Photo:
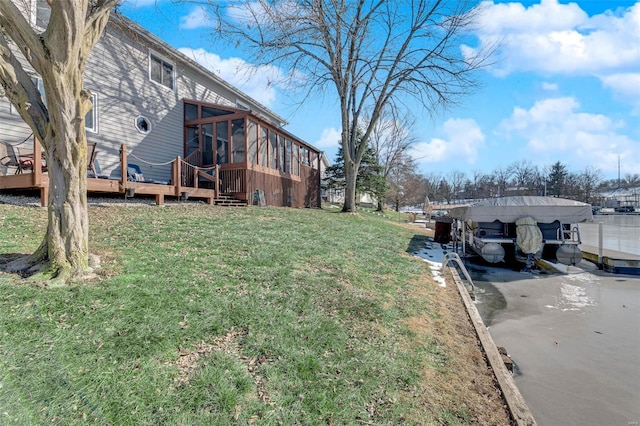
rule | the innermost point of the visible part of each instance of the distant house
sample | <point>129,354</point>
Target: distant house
<point>619,199</point>
<point>158,109</point>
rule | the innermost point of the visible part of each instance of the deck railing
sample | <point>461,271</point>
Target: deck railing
<point>189,167</point>
<point>185,179</point>
<point>233,181</point>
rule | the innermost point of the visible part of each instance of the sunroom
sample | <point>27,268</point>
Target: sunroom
<point>250,158</point>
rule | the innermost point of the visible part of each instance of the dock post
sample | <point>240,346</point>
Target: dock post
<point>600,244</point>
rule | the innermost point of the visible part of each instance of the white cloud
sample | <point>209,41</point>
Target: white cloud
<point>330,138</point>
<point>551,87</point>
<point>463,139</point>
<point>198,18</point>
<point>555,130</point>
<point>134,4</point>
<point>626,86</point>
<point>258,82</point>
<point>556,38</point>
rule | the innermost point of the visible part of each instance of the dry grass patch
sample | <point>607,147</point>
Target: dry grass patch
<point>230,344</point>
<point>459,380</point>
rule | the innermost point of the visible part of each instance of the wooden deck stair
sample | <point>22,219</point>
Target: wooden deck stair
<point>229,201</point>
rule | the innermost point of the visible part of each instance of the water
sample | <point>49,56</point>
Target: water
<point>574,335</point>
<point>620,233</point>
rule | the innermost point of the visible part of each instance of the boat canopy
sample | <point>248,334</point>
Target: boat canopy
<point>510,209</point>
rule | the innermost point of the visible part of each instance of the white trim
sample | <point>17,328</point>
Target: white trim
<point>135,124</point>
<point>242,105</point>
<point>33,12</point>
<point>95,112</point>
<point>33,15</point>
<point>163,60</point>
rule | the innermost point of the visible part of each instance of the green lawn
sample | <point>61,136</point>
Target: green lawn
<point>207,315</point>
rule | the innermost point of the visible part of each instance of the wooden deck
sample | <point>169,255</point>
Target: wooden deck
<point>39,180</point>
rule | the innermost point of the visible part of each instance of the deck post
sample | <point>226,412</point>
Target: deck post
<point>123,167</point>
<point>600,245</point>
<point>160,199</point>
<point>37,163</point>
<point>216,182</point>
<point>44,196</point>
<point>178,176</point>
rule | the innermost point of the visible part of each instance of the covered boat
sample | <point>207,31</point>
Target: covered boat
<point>526,226</point>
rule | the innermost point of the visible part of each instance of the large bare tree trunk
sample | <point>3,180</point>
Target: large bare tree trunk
<point>67,236</point>
<point>59,55</point>
<point>350,175</point>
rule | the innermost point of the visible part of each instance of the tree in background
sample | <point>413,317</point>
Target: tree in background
<point>58,54</point>
<point>369,180</point>
<point>556,179</point>
<point>631,180</point>
<point>432,184</point>
<point>456,180</point>
<point>501,177</point>
<point>524,176</point>
<point>406,185</point>
<point>390,141</point>
<point>373,54</point>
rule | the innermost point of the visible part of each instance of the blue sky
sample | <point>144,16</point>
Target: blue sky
<point>565,87</point>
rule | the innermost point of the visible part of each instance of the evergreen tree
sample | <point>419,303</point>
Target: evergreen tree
<point>556,179</point>
<point>369,179</point>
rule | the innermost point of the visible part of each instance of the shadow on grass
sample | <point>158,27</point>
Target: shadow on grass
<point>417,242</point>
<point>8,260</point>
<point>9,257</point>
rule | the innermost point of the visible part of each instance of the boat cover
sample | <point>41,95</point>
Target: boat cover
<point>510,209</point>
<point>528,235</point>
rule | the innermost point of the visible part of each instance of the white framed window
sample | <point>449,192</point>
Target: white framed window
<point>43,13</point>
<point>37,81</point>
<point>143,124</point>
<point>161,71</point>
<point>37,11</point>
<point>91,119</point>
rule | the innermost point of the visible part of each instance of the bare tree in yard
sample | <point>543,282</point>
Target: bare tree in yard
<point>58,54</point>
<point>390,140</point>
<point>456,181</point>
<point>631,180</point>
<point>501,177</point>
<point>373,53</point>
<point>588,181</point>
<point>432,182</point>
<point>405,186</point>
<point>524,174</point>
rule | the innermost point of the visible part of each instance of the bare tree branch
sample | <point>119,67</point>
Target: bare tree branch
<point>14,24</point>
<point>372,53</point>
<point>21,91</point>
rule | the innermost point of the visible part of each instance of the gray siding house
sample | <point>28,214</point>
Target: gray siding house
<point>141,89</point>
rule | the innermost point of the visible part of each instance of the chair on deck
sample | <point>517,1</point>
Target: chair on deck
<point>91,159</point>
<point>9,159</point>
<point>134,174</point>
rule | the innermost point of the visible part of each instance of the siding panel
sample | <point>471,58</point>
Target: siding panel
<point>118,72</point>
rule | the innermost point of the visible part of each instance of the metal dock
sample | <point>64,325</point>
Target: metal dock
<point>613,261</point>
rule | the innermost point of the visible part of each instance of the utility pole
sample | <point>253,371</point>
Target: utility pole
<point>618,171</point>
